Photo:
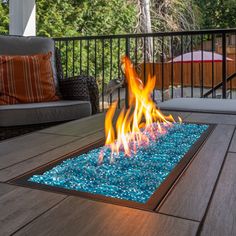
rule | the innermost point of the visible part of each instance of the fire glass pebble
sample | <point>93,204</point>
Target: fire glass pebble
<point>130,178</point>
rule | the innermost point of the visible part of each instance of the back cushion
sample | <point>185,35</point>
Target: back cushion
<point>19,45</point>
<point>26,79</point>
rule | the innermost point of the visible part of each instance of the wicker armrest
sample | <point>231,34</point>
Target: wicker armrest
<point>93,93</point>
<point>82,88</point>
<point>74,88</point>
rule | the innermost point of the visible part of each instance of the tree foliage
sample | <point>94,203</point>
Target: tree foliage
<point>174,15</point>
<point>83,17</point>
<point>4,18</point>
<point>217,13</point>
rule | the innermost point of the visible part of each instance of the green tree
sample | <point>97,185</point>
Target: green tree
<point>174,15</point>
<point>102,17</point>
<point>58,18</point>
<point>55,18</point>
<point>217,13</point>
<point>166,15</point>
<point>4,18</point>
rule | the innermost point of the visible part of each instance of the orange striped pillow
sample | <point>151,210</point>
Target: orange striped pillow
<point>26,79</point>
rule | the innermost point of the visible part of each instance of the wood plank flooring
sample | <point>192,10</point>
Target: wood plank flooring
<point>21,205</point>
<point>28,146</point>
<point>233,144</point>
<point>92,218</point>
<point>221,218</point>
<point>201,203</point>
<point>41,159</point>
<point>212,118</point>
<point>198,181</point>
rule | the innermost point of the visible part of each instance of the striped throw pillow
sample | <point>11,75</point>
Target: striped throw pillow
<point>26,79</point>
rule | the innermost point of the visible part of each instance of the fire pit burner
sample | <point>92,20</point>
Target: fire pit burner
<point>139,181</point>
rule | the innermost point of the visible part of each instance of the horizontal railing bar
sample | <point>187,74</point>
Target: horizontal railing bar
<point>176,33</point>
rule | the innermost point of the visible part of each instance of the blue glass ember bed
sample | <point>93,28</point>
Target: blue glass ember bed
<point>140,181</point>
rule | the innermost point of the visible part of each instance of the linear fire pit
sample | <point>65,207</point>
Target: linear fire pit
<point>140,181</point>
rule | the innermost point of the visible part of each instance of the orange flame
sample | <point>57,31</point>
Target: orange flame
<point>134,123</point>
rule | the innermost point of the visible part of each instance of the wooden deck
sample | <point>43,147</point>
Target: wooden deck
<point>202,203</point>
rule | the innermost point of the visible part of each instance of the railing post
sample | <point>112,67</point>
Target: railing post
<point>224,64</point>
<point>127,52</point>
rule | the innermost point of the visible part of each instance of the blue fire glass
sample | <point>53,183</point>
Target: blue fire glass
<point>133,178</point>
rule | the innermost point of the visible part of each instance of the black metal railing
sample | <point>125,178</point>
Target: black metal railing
<point>219,85</point>
<point>154,54</point>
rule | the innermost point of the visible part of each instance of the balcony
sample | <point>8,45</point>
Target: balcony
<point>195,80</point>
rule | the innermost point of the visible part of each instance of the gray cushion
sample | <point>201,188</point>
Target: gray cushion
<point>18,45</point>
<point>208,105</point>
<point>36,113</point>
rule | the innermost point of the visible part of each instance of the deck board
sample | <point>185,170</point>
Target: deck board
<point>221,217</point>
<point>89,125</point>
<point>21,205</point>
<point>19,149</point>
<point>233,144</point>
<point>190,197</point>
<point>83,217</point>
<point>79,128</point>
<point>212,118</point>
<point>5,188</point>
<point>32,163</point>
<point>177,114</point>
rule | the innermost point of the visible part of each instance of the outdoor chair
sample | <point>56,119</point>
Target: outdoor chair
<point>78,96</point>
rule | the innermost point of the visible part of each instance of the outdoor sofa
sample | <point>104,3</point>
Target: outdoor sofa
<point>78,95</point>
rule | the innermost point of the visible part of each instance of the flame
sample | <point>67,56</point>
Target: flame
<point>134,126</point>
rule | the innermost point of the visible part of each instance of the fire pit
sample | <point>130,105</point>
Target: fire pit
<point>140,181</point>
<point>141,159</point>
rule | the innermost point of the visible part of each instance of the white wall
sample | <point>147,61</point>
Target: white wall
<point>22,17</point>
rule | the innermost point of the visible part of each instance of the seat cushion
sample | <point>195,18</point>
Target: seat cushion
<point>205,105</point>
<point>26,79</point>
<point>18,45</point>
<point>36,113</point>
